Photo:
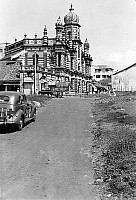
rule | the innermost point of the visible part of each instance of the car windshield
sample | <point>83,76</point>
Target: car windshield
<point>4,98</point>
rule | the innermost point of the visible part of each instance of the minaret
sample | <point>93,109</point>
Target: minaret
<point>45,42</point>
<point>86,47</point>
<point>59,28</point>
<point>45,38</point>
<point>71,25</point>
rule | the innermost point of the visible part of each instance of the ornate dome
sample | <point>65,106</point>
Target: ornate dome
<point>59,22</point>
<point>71,17</point>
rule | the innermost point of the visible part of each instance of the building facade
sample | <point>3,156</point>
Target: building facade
<point>2,47</point>
<point>100,72</point>
<point>44,60</point>
<point>125,80</point>
<point>102,75</point>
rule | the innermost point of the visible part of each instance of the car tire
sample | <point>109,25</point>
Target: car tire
<point>21,124</point>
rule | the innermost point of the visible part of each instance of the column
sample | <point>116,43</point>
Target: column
<point>6,87</point>
<point>26,58</point>
<point>57,59</point>
<point>76,85</point>
<point>45,59</point>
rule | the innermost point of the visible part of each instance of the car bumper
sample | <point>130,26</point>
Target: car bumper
<point>11,120</point>
<point>5,122</point>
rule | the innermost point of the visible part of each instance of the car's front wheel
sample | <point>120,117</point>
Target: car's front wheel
<point>21,124</point>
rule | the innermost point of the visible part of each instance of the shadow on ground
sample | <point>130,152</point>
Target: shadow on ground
<point>11,129</point>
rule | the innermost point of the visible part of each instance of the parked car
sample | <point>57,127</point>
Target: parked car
<point>15,109</point>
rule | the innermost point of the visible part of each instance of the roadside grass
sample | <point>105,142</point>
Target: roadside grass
<point>115,136</point>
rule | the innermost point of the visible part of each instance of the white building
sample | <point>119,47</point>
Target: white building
<point>100,72</point>
<point>125,80</point>
<point>2,46</point>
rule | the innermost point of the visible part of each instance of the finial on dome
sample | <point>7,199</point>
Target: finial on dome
<point>59,22</point>
<point>71,8</point>
<point>86,44</point>
<point>35,35</point>
<point>45,28</point>
<point>25,35</point>
<point>86,41</point>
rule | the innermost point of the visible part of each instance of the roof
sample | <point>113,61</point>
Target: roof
<point>101,67</point>
<point>9,72</point>
<point>16,55</point>
<point>134,65</point>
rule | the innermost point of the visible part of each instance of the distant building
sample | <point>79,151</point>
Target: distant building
<point>9,76</point>
<point>125,79</point>
<point>102,74</point>
<point>63,58</point>
<point>2,46</point>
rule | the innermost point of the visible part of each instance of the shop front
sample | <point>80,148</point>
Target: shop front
<point>9,85</point>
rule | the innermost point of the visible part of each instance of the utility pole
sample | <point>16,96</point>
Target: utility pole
<point>35,74</point>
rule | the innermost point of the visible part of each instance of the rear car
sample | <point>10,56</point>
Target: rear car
<point>15,109</point>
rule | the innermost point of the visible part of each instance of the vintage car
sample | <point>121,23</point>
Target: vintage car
<point>15,109</point>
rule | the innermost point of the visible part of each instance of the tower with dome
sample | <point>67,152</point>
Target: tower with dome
<point>63,58</point>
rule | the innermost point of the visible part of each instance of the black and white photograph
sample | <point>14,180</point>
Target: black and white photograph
<point>67,100</point>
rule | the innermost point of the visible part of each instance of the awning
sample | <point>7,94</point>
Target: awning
<point>11,84</point>
<point>18,54</point>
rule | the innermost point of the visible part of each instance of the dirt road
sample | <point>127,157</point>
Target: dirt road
<point>49,158</point>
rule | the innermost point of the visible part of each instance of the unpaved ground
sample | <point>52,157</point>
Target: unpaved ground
<point>78,149</point>
<point>49,159</point>
<point>114,131</point>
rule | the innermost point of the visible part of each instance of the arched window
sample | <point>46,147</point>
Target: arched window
<point>37,57</point>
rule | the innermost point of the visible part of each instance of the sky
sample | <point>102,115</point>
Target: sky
<point>109,25</point>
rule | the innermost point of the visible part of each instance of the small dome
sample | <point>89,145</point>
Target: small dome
<point>86,44</point>
<point>59,22</point>
<point>71,17</point>
<point>45,29</point>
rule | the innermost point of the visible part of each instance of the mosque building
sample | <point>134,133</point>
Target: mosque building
<point>44,60</point>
